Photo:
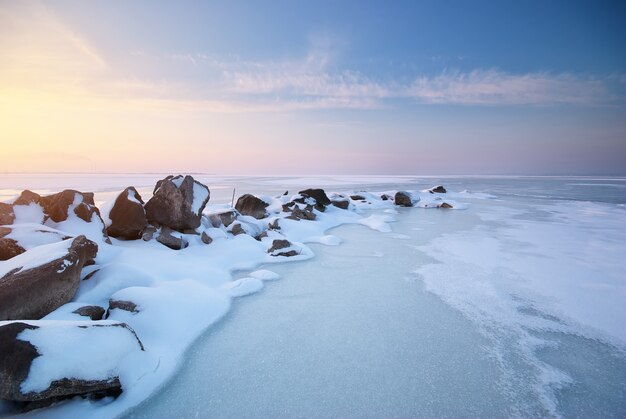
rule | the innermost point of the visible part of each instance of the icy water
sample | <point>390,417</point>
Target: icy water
<point>514,307</point>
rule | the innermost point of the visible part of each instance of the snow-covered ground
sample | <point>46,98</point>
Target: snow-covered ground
<point>513,306</point>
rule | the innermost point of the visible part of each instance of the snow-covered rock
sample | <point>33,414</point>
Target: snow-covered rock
<point>42,362</point>
<point>404,199</point>
<point>251,205</point>
<point>320,197</point>
<point>42,279</point>
<point>128,218</point>
<point>178,203</point>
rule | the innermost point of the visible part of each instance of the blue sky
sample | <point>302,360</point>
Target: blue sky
<point>418,87</point>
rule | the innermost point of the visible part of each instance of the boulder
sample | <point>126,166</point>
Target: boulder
<point>6,214</point>
<point>225,218</point>
<point>105,343</point>
<point>122,305</point>
<point>340,202</point>
<point>278,245</point>
<point>251,205</point>
<point>403,199</point>
<point>320,197</point>
<point>206,239</point>
<point>385,197</point>
<point>167,238</point>
<point>30,291</point>
<point>27,197</point>
<point>444,205</point>
<point>300,214</point>
<point>437,189</point>
<point>237,229</point>
<point>357,197</point>
<point>128,218</point>
<point>177,203</point>
<point>8,247</point>
<point>93,312</point>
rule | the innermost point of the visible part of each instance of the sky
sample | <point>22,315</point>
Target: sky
<point>313,87</point>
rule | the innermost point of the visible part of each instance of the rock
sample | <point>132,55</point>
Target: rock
<point>128,218</point>
<point>8,247</point>
<point>33,293</point>
<point>298,214</point>
<point>274,225</point>
<point>177,203</point>
<point>403,199</point>
<point>93,312</point>
<point>123,305</point>
<point>279,244</point>
<point>223,218</point>
<point>445,205</point>
<point>27,197</point>
<point>261,236</point>
<point>206,239</point>
<point>251,205</point>
<point>341,202</point>
<point>357,197</point>
<point>437,189</point>
<point>17,356</point>
<point>148,233</point>
<point>166,238</point>
<point>320,197</point>
<point>385,197</point>
<point>237,229</point>
<point>6,214</point>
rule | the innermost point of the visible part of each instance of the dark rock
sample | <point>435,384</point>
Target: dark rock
<point>223,218</point>
<point>261,236</point>
<point>93,312</point>
<point>237,229</point>
<point>445,205</point>
<point>403,199</point>
<point>35,292</point>
<point>251,205</point>
<point>148,233</point>
<point>274,225</point>
<point>90,274</point>
<point>173,206</point>
<point>286,193</point>
<point>279,244</point>
<point>128,218</point>
<point>320,197</point>
<point>17,356</point>
<point>306,214</point>
<point>357,197</point>
<point>385,197</point>
<point>206,239</point>
<point>123,305</point>
<point>437,189</point>
<point>6,214</point>
<point>166,238</point>
<point>341,203</point>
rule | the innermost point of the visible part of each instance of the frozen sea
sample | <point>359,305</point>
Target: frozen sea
<point>515,306</point>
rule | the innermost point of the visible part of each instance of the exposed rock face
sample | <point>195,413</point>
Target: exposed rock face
<point>357,197</point>
<point>177,203</point>
<point>123,305</point>
<point>445,205</point>
<point>168,239</point>
<point>6,214</point>
<point>226,218</point>
<point>385,197</point>
<point>237,229</point>
<point>33,293</point>
<point>403,199</point>
<point>8,247</point>
<point>341,202</point>
<point>320,197</point>
<point>251,205</point>
<point>279,244</point>
<point>437,189</point>
<point>206,239</point>
<point>93,312</point>
<point>128,218</point>
<point>27,197</point>
<point>17,356</point>
<point>299,214</point>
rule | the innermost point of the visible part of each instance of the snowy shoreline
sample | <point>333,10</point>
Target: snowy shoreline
<point>169,287</point>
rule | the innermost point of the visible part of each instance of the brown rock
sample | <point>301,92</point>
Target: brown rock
<point>320,197</point>
<point>445,205</point>
<point>123,305</point>
<point>35,292</point>
<point>437,189</point>
<point>8,247</point>
<point>166,238</point>
<point>223,218</point>
<point>251,205</point>
<point>237,229</point>
<point>6,214</point>
<point>206,239</point>
<point>128,218</point>
<point>341,203</point>
<point>279,244</point>
<point>27,197</point>
<point>93,312</point>
<point>403,199</point>
<point>173,206</point>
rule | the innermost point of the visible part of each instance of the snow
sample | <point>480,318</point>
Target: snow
<point>31,213</point>
<point>80,350</point>
<point>132,197</point>
<point>264,275</point>
<point>200,193</point>
<point>30,235</point>
<point>36,256</point>
<point>242,287</point>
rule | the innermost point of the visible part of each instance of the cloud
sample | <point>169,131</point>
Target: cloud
<point>494,87</point>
